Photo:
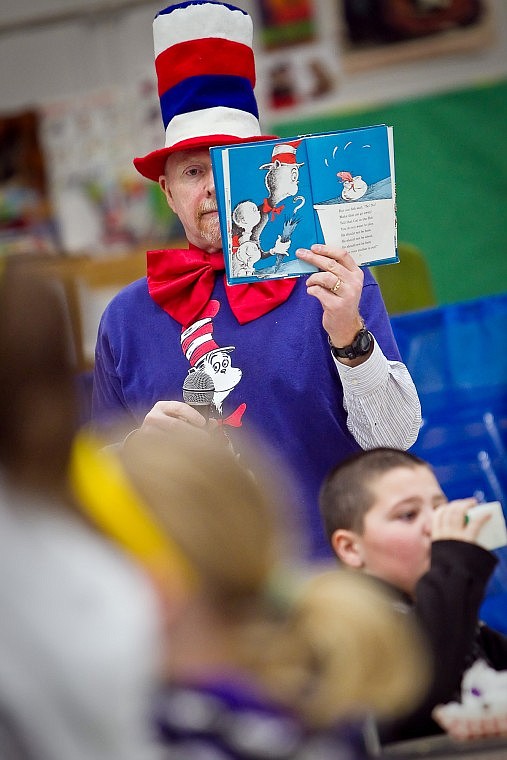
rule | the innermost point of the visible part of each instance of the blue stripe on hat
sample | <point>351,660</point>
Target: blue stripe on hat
<point>178,6</point>
<point>208,91</point>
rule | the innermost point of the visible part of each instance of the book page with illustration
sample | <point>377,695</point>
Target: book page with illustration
<point>277,195</point>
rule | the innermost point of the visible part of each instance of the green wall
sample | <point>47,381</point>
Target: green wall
<point>451,182</point>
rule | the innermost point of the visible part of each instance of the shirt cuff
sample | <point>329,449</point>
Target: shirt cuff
<point>366,377</point>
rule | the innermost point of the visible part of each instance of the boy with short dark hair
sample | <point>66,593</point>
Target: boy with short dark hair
<point>386,515</point>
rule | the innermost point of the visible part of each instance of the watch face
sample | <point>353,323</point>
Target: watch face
<point>359,347</point>
<point>363,342</point>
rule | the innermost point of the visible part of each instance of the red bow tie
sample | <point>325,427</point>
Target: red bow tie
<point>181,282</point>
<point>267,207</point>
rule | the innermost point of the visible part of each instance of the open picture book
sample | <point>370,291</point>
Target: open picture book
<point>275,196</point>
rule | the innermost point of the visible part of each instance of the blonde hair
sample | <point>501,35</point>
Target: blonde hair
<point>326,647</point>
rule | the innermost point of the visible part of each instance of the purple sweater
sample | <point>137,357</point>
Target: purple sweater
<point>277,368</point>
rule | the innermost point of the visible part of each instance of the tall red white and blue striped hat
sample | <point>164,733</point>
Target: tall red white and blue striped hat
<point>205,69</point>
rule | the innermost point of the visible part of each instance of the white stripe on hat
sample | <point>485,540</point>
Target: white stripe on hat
<point>193,327</point>
<point>199,21</point>
<point>283,148</point>
<point>211,121</point>
<point>199,341</point>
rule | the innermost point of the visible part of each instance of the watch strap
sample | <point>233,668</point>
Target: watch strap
<point>360,346</point>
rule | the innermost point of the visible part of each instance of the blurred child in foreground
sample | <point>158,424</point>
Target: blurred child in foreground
<point>79,633</point>
<point>260,663</point>
<point>386,516</point>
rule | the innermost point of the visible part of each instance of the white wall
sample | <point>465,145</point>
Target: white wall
<point>44,64</point>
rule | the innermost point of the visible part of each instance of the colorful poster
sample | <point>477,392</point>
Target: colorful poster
<point>101,202</point>
<point>376,34</point>
<point>287,22</point>
<point>26,218</point>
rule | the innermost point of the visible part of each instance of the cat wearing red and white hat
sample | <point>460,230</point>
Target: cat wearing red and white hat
<point>321,374</point>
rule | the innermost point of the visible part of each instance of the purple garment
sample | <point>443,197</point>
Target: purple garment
<point>288,381</point>
<point>228,719</point>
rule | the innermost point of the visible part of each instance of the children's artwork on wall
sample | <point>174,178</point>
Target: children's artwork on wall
<point>287,22</point>
<point>300,63</point>
<point>26,222</point>
<point>101,202</point>
<point>298,79</point>
<point>394,31</point>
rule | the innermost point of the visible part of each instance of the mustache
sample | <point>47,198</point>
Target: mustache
<point>206,207</point>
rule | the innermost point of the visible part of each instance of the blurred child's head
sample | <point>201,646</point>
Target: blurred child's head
<point>226,522</point>
<point>38,403</point>
<point>377,509</point>
<point>327,647</point>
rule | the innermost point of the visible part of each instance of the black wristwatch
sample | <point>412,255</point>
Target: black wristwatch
<point>359,346</point>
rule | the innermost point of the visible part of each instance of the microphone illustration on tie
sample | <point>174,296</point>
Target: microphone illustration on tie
<point>198,391</point>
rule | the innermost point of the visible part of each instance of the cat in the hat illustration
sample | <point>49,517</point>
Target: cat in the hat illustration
<point>206,356</point>
<point>282,181</point>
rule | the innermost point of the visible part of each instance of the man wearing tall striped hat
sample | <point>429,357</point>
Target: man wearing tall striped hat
<point>317,373</point>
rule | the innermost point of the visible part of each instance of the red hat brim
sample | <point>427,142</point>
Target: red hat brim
<point>152,166</point>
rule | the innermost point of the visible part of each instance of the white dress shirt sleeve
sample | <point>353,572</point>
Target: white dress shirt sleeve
<point>381,402</point>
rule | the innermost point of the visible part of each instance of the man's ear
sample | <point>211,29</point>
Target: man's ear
<point>162,181</point>
<point>347,547</point>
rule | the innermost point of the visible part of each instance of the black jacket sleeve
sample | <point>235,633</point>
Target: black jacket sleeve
<point>447,602</point>
<point>494,647</point>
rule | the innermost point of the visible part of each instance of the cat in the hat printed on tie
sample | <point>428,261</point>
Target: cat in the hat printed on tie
<point>206,356</point>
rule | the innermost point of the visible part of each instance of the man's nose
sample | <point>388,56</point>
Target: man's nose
<point>210,182</point>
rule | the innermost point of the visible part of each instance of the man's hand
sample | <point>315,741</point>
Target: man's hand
<point>449,522</point>
<point>171,415</point>
<point>174,416</point>
<point>338,287</point>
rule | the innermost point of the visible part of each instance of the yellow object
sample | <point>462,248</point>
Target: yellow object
<point>407,285</point>
<point>105,495</point>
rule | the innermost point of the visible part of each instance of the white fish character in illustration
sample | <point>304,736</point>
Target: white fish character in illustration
<point>353,187</point>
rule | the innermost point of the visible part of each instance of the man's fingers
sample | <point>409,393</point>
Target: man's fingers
<point>168,414</point>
